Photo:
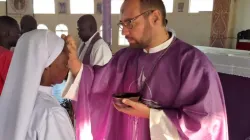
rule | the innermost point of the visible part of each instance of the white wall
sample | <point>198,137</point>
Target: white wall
<point>2,8</point>
<point>242,18</point>
<point>192,28</point>
<point>242,15</point>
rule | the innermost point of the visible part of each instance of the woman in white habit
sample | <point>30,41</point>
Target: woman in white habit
<point>28,109</point>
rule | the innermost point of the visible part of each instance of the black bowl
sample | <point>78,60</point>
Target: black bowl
<point>117,98</point>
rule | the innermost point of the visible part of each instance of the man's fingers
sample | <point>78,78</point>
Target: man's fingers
<point>70,39</point>
<point>63,36</point>
<point>116,107</point>
<point>70,44</point>
<point>130,103</point>
<point>126,110</point>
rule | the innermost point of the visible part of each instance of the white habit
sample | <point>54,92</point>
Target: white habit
<point>49,120</point>
<point>28,110</point>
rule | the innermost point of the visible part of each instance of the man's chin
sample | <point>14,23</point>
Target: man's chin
<point>133,45</point>
<point>136,46</point>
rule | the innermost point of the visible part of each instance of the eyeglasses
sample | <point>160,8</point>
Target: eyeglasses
<point>130,23</point>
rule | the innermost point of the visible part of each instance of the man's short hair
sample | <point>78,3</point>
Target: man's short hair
<point>28,23</point>
<point>90,19</point>
<point>6,23</point>
<point>154,5</point>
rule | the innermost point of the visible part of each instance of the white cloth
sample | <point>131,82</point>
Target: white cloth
<point>72,86</point>
<point>161,128</point>
<point>49,121</point>
<point>35,51</point>
<point>100,55</point>
<point>228,61</point>
<point>244,40</point>
<point>171,30</point>
<point>12,49</point>
<point>160,47</point>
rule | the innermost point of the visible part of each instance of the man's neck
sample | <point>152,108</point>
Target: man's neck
<point>5,45</point>
<point>90,37</point>
<point>158,39</point>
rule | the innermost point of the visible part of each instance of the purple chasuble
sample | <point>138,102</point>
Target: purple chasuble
<point>184,84</point>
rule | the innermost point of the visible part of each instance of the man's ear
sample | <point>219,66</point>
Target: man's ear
<point>156,16</point>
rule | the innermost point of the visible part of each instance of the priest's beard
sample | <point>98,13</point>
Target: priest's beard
<point>145,39</point>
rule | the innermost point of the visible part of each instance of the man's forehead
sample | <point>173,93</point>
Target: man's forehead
<point>83,24</point>
<point>130,9</point>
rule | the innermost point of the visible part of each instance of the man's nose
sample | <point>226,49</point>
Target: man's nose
<point>125,31</point>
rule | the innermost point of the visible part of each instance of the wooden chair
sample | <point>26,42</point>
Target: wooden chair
<point>243,40</point>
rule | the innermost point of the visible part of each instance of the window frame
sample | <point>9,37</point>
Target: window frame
<point>62,31</point>
<point>193,11</point>
<point>120,36</point>
<point>43,25</point>
<point>82,2</point>
<point>52,4</point>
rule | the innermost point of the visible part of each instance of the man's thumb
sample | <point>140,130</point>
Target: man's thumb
<point>129,102</point>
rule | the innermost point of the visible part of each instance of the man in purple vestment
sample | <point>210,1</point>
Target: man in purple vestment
<point>181,94</point>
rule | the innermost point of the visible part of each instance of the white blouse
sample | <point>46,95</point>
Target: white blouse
<point>49,121</point>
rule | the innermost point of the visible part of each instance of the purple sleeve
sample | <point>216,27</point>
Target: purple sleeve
<point>201,112</point>
<point>94,100</point>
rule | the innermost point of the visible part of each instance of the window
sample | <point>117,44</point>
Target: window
<point>115,6</point>
<point>169,5</point>
<point>42,26</point>
<point>44,6</point>
<point>82,6</point>
<point>101,33</point>
<point>122,40</point>
<point>2,0</point>
<point>196,6</point>
<point>61,29</point>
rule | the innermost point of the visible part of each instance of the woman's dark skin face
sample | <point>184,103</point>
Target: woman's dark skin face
<point>57,71</point>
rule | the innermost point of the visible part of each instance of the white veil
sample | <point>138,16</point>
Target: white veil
<point>35,51</point>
